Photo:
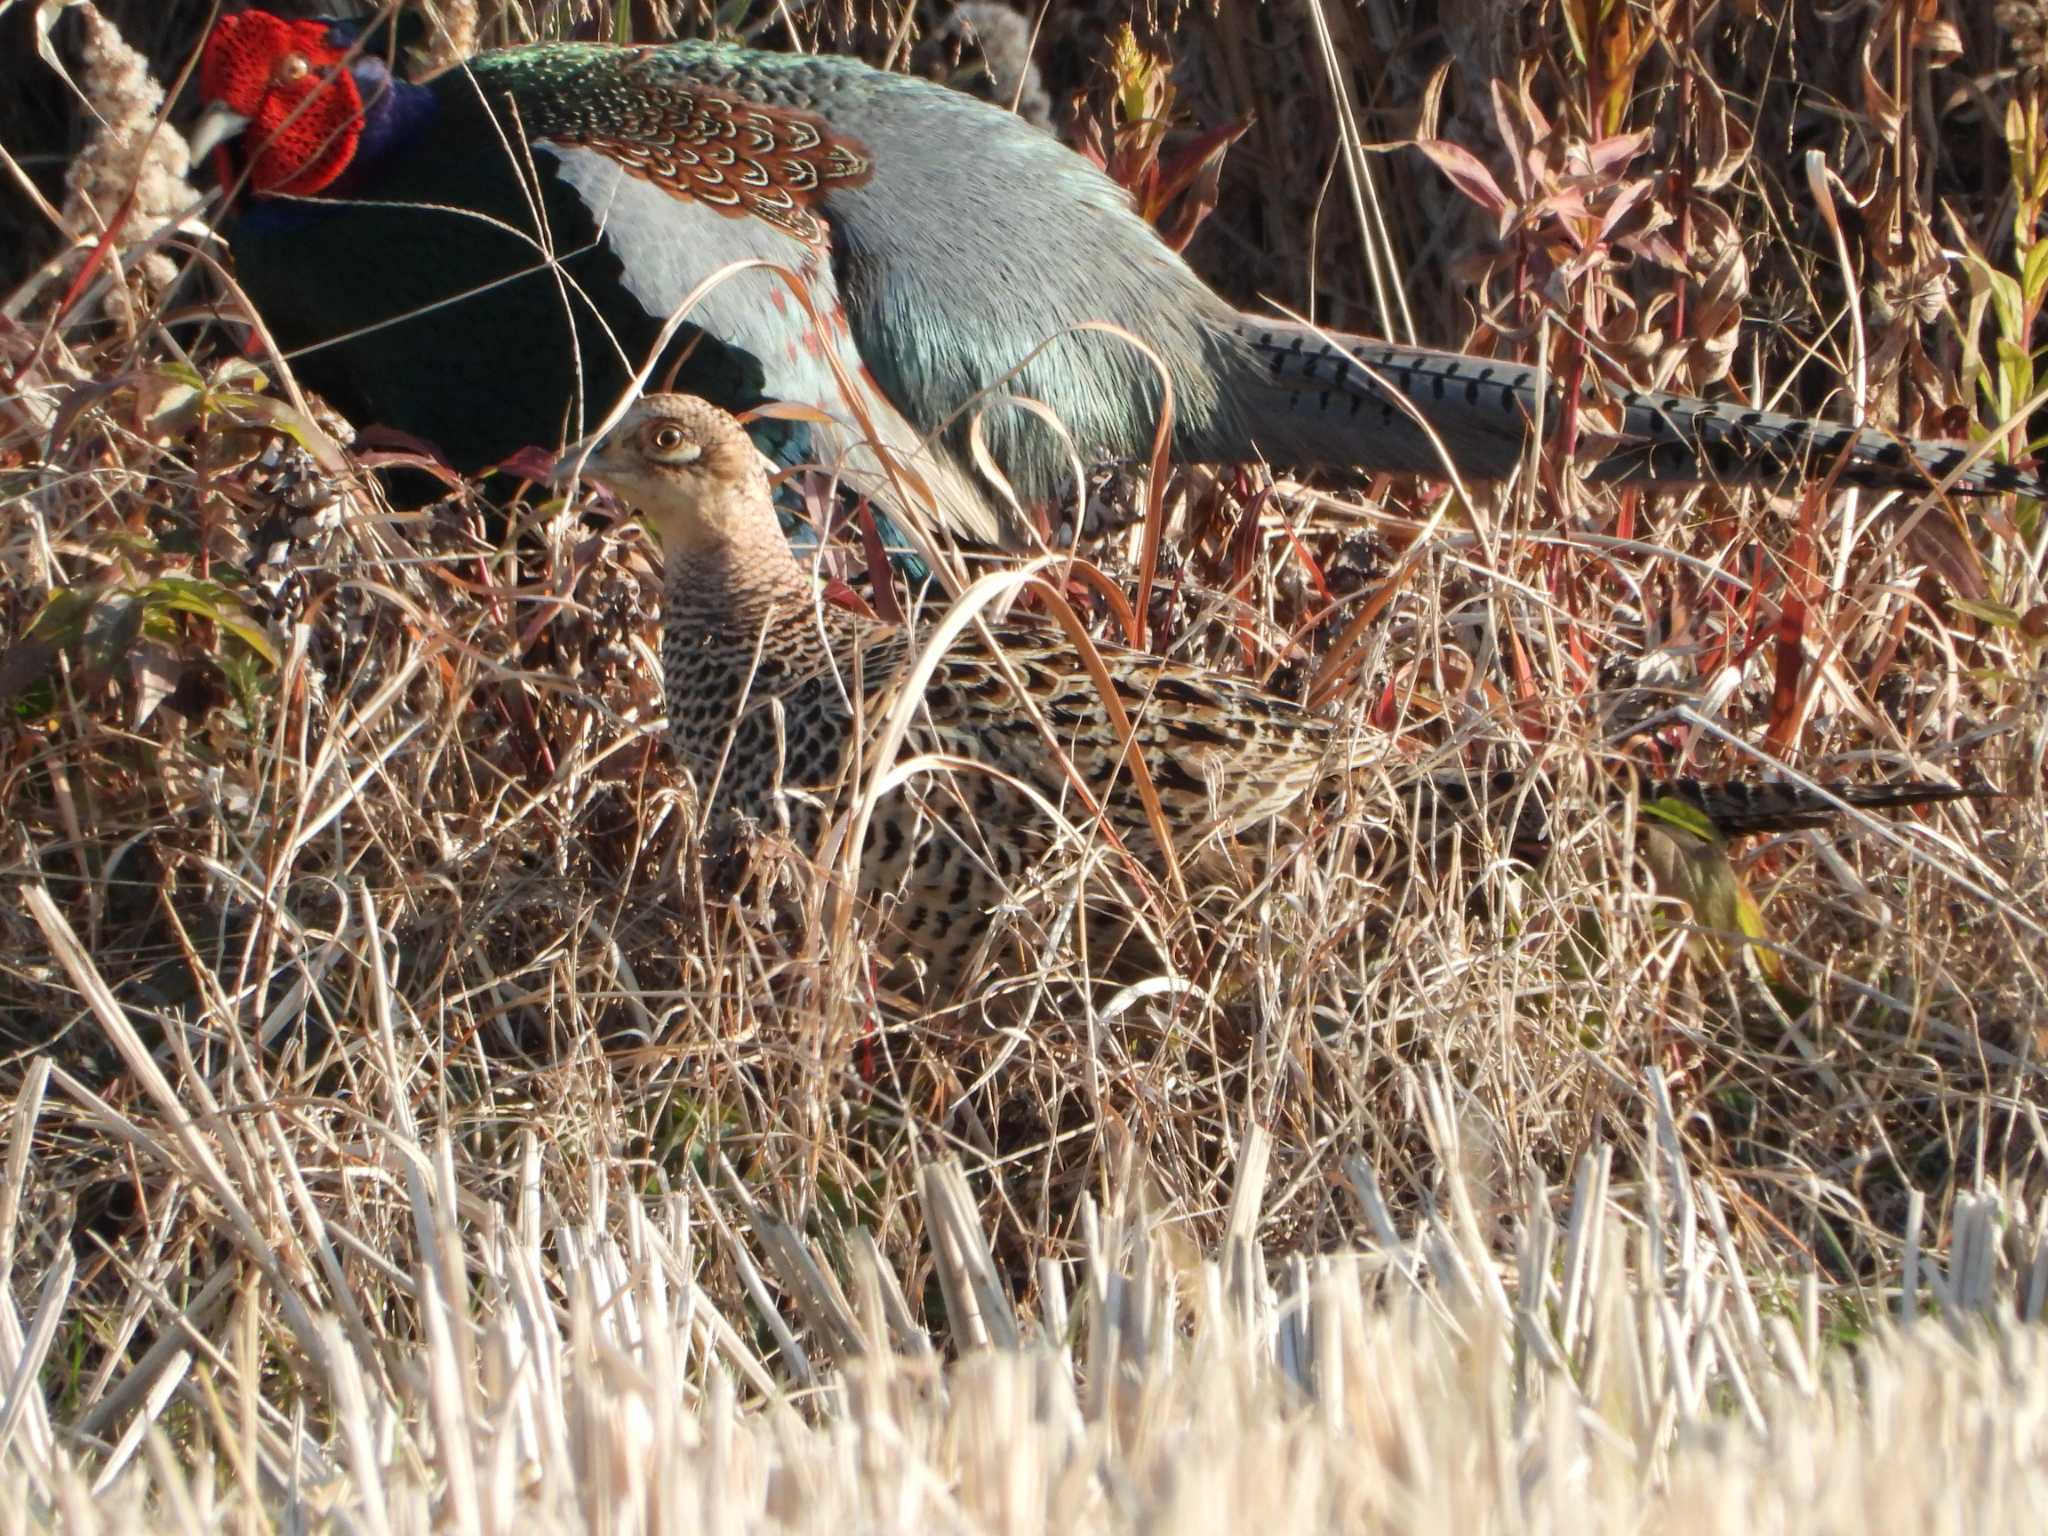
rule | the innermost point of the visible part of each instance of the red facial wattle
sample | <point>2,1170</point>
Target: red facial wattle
<point>290,81</point>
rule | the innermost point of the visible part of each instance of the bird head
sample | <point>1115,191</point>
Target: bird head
<point>285,89</point>
<point>687,467</point>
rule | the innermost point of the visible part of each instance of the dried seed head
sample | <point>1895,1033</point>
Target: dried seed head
<point>127,150</point>
<point>2026,24</point>
<point>452,29</point>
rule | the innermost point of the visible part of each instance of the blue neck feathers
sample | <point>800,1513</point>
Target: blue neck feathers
<point>395,114</point>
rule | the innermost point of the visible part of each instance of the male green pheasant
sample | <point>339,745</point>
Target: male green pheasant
<point>771,694</point>
<point>481,260</point>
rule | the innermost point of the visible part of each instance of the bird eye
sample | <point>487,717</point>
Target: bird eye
<point>292,68</point>
<point>667,439</point>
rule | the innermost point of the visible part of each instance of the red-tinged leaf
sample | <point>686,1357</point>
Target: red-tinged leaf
<point>1788,658</point>
<point>840,595</point>
<point>1521,672</point>
<point>1575,647</point>
<point>1655,246</point>
<point>1588,259</point>
<point>1535,121</point>
<point>1308,564</point>
<point>1510,125</point>
<point>528,463</point>
<point>1087,139</point>
<point>102,247</point>
<point>1202,157</point>
<point>878,564</point>
<point>1466,173</point>
<point>1723,139</point>
<point>1624,203</point>
<point>1431,112</point>
<point>1194,176</point>
<point>1604,157</point>
<point>1939,542</point>
<point>1385,714</point>
<point>387,459</point>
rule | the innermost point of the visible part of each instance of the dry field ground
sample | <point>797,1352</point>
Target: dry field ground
<point>396,1136</point>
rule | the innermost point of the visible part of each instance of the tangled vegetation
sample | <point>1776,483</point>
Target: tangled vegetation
<point>401,1126</point>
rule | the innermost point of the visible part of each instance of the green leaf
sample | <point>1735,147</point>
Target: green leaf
<point>181,373</point>
<point>210,600</point>
<point>2034,273</point>
<point>1683,815</point>
<point>112,629</point>
<point>2002,288</point>
<point>245,682</point>
<point>1991,613</point>
<point>63,619</point>
<point>300,429</point>
<point>1698,872</point>
<point>253,637</point>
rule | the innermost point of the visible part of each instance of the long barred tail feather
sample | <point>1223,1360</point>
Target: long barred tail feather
<point>1333,402</point>
<point>1739,808</point>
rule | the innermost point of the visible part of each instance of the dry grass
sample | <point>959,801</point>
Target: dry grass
<point>399,1131</point>
<point>539,1365</point>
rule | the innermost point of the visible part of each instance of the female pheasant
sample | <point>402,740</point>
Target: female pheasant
<point>769,694</point>
<point>771,697</point>
<point>482,260</point>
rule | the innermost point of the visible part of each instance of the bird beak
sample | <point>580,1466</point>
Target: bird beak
<point>580,461</point>
<point>216,126</point>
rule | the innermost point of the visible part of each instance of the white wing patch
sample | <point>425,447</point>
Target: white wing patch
<point>668,248</point>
